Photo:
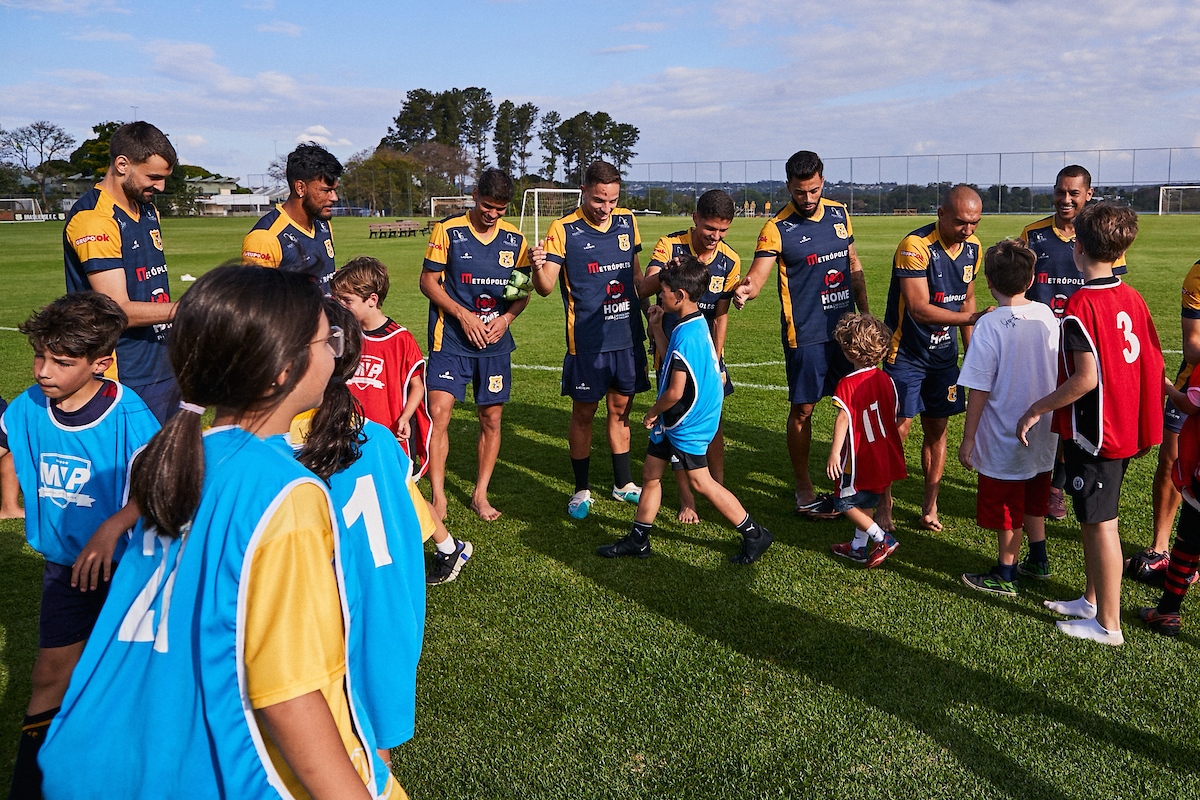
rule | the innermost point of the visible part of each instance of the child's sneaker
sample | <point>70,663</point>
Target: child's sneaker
<point>991,583</point>
<point>446,566</point>
<point>1058,504</point>
<point>581,504</point>
<point>629,493</point>
<point>848,550</point>
<point>1148,566</point>
<point>753,548</point>
<point>627,545</point>
<point>1166,624</point>
<point>881,550</point>
<point>1038,570</point>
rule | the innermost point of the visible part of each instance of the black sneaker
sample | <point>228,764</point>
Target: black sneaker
<point>627,545</point>
<point>1166,624</point>
<point>753,547</point>
<point>991,583</point>
<point>1038,570</point>
<point>446,566</point>
<point>1148,567</point>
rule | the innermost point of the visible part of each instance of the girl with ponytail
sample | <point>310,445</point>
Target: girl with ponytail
<point>219,659</point>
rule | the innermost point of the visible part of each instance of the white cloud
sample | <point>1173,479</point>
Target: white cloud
<point>622,48</point>
<point>321,135</point>
<point>193,140</point>
<point>279,26</point>
<point>102,36</point>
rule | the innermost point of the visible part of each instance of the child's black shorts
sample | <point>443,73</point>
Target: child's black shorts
<point>678,459</point>
<point>1094,484</point>
<point>68,614</point>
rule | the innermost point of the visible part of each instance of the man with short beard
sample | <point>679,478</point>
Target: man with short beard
<point>820,279</point>
<point>295,235</point>
<point>112,244</point>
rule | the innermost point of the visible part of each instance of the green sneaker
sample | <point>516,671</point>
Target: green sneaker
<point>1038,570</point>
<point>991,583</point>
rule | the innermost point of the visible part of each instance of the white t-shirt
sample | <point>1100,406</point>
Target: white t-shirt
<point>1014,356</point>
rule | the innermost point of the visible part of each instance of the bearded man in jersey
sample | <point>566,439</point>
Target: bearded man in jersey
<point>932,294</point>
<point>820,279</point>
<point>594,250</point>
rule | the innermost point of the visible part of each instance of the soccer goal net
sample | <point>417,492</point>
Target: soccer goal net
<point>540,207</point>
<point>441,207</point>
<point>1178,200</point>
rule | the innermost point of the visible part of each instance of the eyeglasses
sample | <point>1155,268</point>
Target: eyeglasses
<point>336,341</point>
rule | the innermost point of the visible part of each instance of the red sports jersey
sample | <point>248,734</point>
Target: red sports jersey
<point>873,455</point>
<point>1123,415</point>
<point>1187,465</point>
<point>390,359</point>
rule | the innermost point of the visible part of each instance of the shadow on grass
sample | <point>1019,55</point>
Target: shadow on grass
<point>924,690</point>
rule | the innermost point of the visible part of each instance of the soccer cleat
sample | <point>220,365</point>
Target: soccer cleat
<point>991,583</point>
<point>1058,504</point>
<point>1079,607</point>
<point>1091,630</point>
<point>1166,624</point>
<point>848,550</point>
<point>627,545</point>
<point>881,550</point>
<point>753,547</point>
<point>1148,567</point>
<point>629,493</point>
<point>581,504</point>
<point>446,566</point>
<point>1038,570</point>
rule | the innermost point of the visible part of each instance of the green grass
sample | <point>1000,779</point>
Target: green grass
<point>548,672</point>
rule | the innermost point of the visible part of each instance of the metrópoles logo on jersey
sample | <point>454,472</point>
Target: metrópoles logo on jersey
<point>617,305</point>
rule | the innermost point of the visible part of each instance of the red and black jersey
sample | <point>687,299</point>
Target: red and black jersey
<point>1187,466</point>
<point>1123,415</point>
<point>873,455</point>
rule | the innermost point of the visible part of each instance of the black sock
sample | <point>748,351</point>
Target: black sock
<point>580,467</point>
<point>622,474</point>
<point>1037,551</point>
<point>27,776</point>
<point>641,530</point>
<point>748,527</point>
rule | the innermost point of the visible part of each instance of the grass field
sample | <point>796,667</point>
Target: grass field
<point>551,673</point>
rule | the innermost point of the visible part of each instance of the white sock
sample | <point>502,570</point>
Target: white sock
<point>448,546</point>
<point>1091,630</point>
<point>1072,608</point>
<point>875,532</point>
<point>860,539</point>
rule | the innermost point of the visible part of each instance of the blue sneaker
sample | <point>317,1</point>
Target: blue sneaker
<point>629,493</point>
<point>581,504</point>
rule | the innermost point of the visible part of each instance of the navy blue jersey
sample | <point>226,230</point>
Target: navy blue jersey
<point>724,271</point>
<point>277,240</point>
<point>922,256</point>
<point>474,272</point>
<point>597,280</point>
<point>102,236</point>
<point>1055,276</point>
<point>813,254</point>
<point>691,424</point>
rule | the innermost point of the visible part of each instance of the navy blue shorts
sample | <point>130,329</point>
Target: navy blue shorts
<point>161,398</point>
<point>489,376</point>
<point>68,615</point>
<point>726,381</point>
<point>1173,418</point>
<point>588,377</point>
<point>931,391</point>
<point>860,499</point>
<point>813,371</point>
<point>641,365</point>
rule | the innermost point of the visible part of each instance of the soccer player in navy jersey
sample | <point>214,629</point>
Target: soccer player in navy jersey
<point>820,279</point>
<point>470,259</point>
<point>113,244</point>
<point>595,251</point>
<point>295,236</point>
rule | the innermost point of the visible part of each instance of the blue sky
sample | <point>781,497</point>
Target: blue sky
<point>232,82</point>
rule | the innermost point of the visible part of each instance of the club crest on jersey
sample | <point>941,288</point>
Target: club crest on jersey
<point>716,283</point>
<point>495,383</point>
<point>61,480</point>
<point>507,259</point>
<point>623,241</point>
<point>329,247</point>
<point>840,229</point>
<point>156,237</point>
<point>367,374</point>
<point>968,273</point>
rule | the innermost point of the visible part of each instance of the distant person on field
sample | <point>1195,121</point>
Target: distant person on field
<point>820,278</point>
<point>470,260</point>
<point>72,438</point>
<point>1109,409</point>
<point>1055,278</point>
<point>113,244</point>
<point>866,454</point>
<point>684,419</point>
<point>296,236</point>
<point>931,302</point>
<point>1013,361</point>
<point>705,240</point>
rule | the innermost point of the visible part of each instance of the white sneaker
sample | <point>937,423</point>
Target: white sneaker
<point>1078,607</point>
<point>581,504</point>
<point>1091,630</point>
<point>629,493</point>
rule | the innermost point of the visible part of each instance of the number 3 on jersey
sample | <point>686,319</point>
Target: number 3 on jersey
<point>364,505</point>
<point>1133,347</point>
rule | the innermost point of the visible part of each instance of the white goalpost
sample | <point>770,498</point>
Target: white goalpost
<point>1178,200</point>
<point>549,204</point>
<point>445,206</point>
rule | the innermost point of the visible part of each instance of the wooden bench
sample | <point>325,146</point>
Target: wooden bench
<point>904,212</point>
<point>390,229</point>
